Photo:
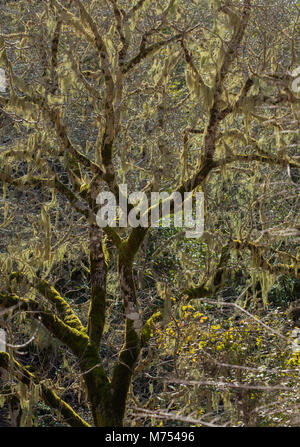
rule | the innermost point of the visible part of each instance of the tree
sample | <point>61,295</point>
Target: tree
<point>161,96</point>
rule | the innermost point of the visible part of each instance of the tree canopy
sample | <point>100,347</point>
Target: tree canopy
<point>142,326</point>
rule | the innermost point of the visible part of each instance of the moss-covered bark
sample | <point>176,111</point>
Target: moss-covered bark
<point>49,396</point>
<point>52,295</point>
<point>76,340</point>
<point>98,269</point>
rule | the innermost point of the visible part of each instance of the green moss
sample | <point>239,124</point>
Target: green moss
<point>69,317</point>
<point>49,396</point>
<point>70,416</point>
<point>148,328</point>
<point>76,340</point>
<point>49,292</point>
